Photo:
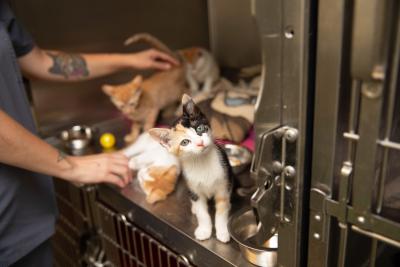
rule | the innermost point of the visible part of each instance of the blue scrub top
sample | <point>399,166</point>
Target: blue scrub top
<point>27,202</point>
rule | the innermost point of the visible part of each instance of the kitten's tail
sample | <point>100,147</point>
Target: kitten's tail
<point>153,41</point>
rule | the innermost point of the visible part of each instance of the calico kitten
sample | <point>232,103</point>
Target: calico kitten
<point>205,167</point>
<point>142,100</point>
<point>199,64</point>
<point>157,169</point>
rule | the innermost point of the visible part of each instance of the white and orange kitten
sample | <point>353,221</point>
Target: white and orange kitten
<point>205,167</point>
<point>157,169</point>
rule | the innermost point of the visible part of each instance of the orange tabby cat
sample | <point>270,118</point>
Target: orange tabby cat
<point>142,100</point>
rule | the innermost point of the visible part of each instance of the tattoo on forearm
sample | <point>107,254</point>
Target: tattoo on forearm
<point>68,65</point>
<point>61,156</point>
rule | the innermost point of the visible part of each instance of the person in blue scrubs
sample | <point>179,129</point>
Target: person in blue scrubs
<point>27,202</point>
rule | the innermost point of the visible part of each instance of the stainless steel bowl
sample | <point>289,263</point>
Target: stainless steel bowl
<point>243,228</point>
<point>77,137</point>
<point>239,157</point>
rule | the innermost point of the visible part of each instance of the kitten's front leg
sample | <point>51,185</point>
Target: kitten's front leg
<point>151,119</point>
<point>222,207</point>
<point>207,86</point>
<point>135,131</point>
<point>204,228</point>
<point>193,84</point>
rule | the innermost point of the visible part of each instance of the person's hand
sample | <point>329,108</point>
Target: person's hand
<point>101,168</point>
<point>152,59</point>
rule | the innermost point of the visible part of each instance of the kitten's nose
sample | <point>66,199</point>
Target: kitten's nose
<point>200,143</point>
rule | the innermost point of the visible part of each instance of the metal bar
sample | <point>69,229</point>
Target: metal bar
<point>283,182</point>
<point>351,136</point>
<point>379,224</point>
<point>344,230</point>
<point>343,198</point>
<point>347,170</point>
<point>389,119</point>
<point>353,119</point>
<point>372,258</point>
<point>376,236</point>
<point>364,173</point>
<point>331,45</point>
<point>389,144</point>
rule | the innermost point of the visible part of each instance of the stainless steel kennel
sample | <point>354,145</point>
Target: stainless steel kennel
<point>327,123</point>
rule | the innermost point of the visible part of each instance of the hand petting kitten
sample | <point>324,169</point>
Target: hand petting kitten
<point>151,59</point>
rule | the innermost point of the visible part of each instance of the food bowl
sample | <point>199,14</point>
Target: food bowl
<point>239,157</point>
<point>243,228</point>
<point>77,137</point>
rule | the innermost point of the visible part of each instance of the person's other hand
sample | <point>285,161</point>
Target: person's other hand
<point>101,168</point>
<point>152,59</point>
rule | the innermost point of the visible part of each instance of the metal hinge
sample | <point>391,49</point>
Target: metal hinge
<point>274,168</point>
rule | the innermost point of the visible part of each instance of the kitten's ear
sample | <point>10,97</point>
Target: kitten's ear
<point>189,107</point>
<point>137,80</point>
<point>161,135</point>
<point>107,89</point>
<point>137,93</point>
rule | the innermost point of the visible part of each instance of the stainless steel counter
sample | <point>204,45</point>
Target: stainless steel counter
<point>169,221</point>
<point>172,223</point>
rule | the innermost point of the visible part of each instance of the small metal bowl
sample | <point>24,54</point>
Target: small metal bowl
<point>242,227</point>
<point>77,138</point>
<point>239,157</point>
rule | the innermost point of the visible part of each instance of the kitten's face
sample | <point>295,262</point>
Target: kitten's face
<point>191,136</point>
<point>186,142</point>
<point>194,56</point>
<point>125,96</point>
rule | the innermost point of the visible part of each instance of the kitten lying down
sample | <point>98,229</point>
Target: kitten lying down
<point>205,167</point>
<point>157,169</point>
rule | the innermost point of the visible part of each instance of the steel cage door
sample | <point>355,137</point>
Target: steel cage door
<point>356,134</point>
<point>282,119</point>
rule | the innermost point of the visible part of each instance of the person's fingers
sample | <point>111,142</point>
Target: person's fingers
<point>122,172</point>
<point>114,179</point>
<point>166,57</point>
<point>161,65</point>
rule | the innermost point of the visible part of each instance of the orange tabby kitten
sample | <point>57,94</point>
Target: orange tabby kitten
<point>141,100</point>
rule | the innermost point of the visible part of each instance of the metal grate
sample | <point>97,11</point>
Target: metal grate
<point>356,175</point>
<point>73,225</point>
<point>127,245</point>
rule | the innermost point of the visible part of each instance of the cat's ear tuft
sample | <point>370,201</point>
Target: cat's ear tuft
<point>188,105</point>
<point>186,98</point>
<point>107,89</point>
<point>161,135</point>
<point>138,80</point>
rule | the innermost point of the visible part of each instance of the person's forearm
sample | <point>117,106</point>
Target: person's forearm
<point>20,148</point>
<point>60,66</point>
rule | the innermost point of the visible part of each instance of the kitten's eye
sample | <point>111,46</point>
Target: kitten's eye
<point>202,128</point>
<point>185,142</point>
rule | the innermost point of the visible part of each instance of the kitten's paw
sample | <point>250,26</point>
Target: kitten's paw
<point>203,232</point>
<point>128,139</point>
<point>223,235</point>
